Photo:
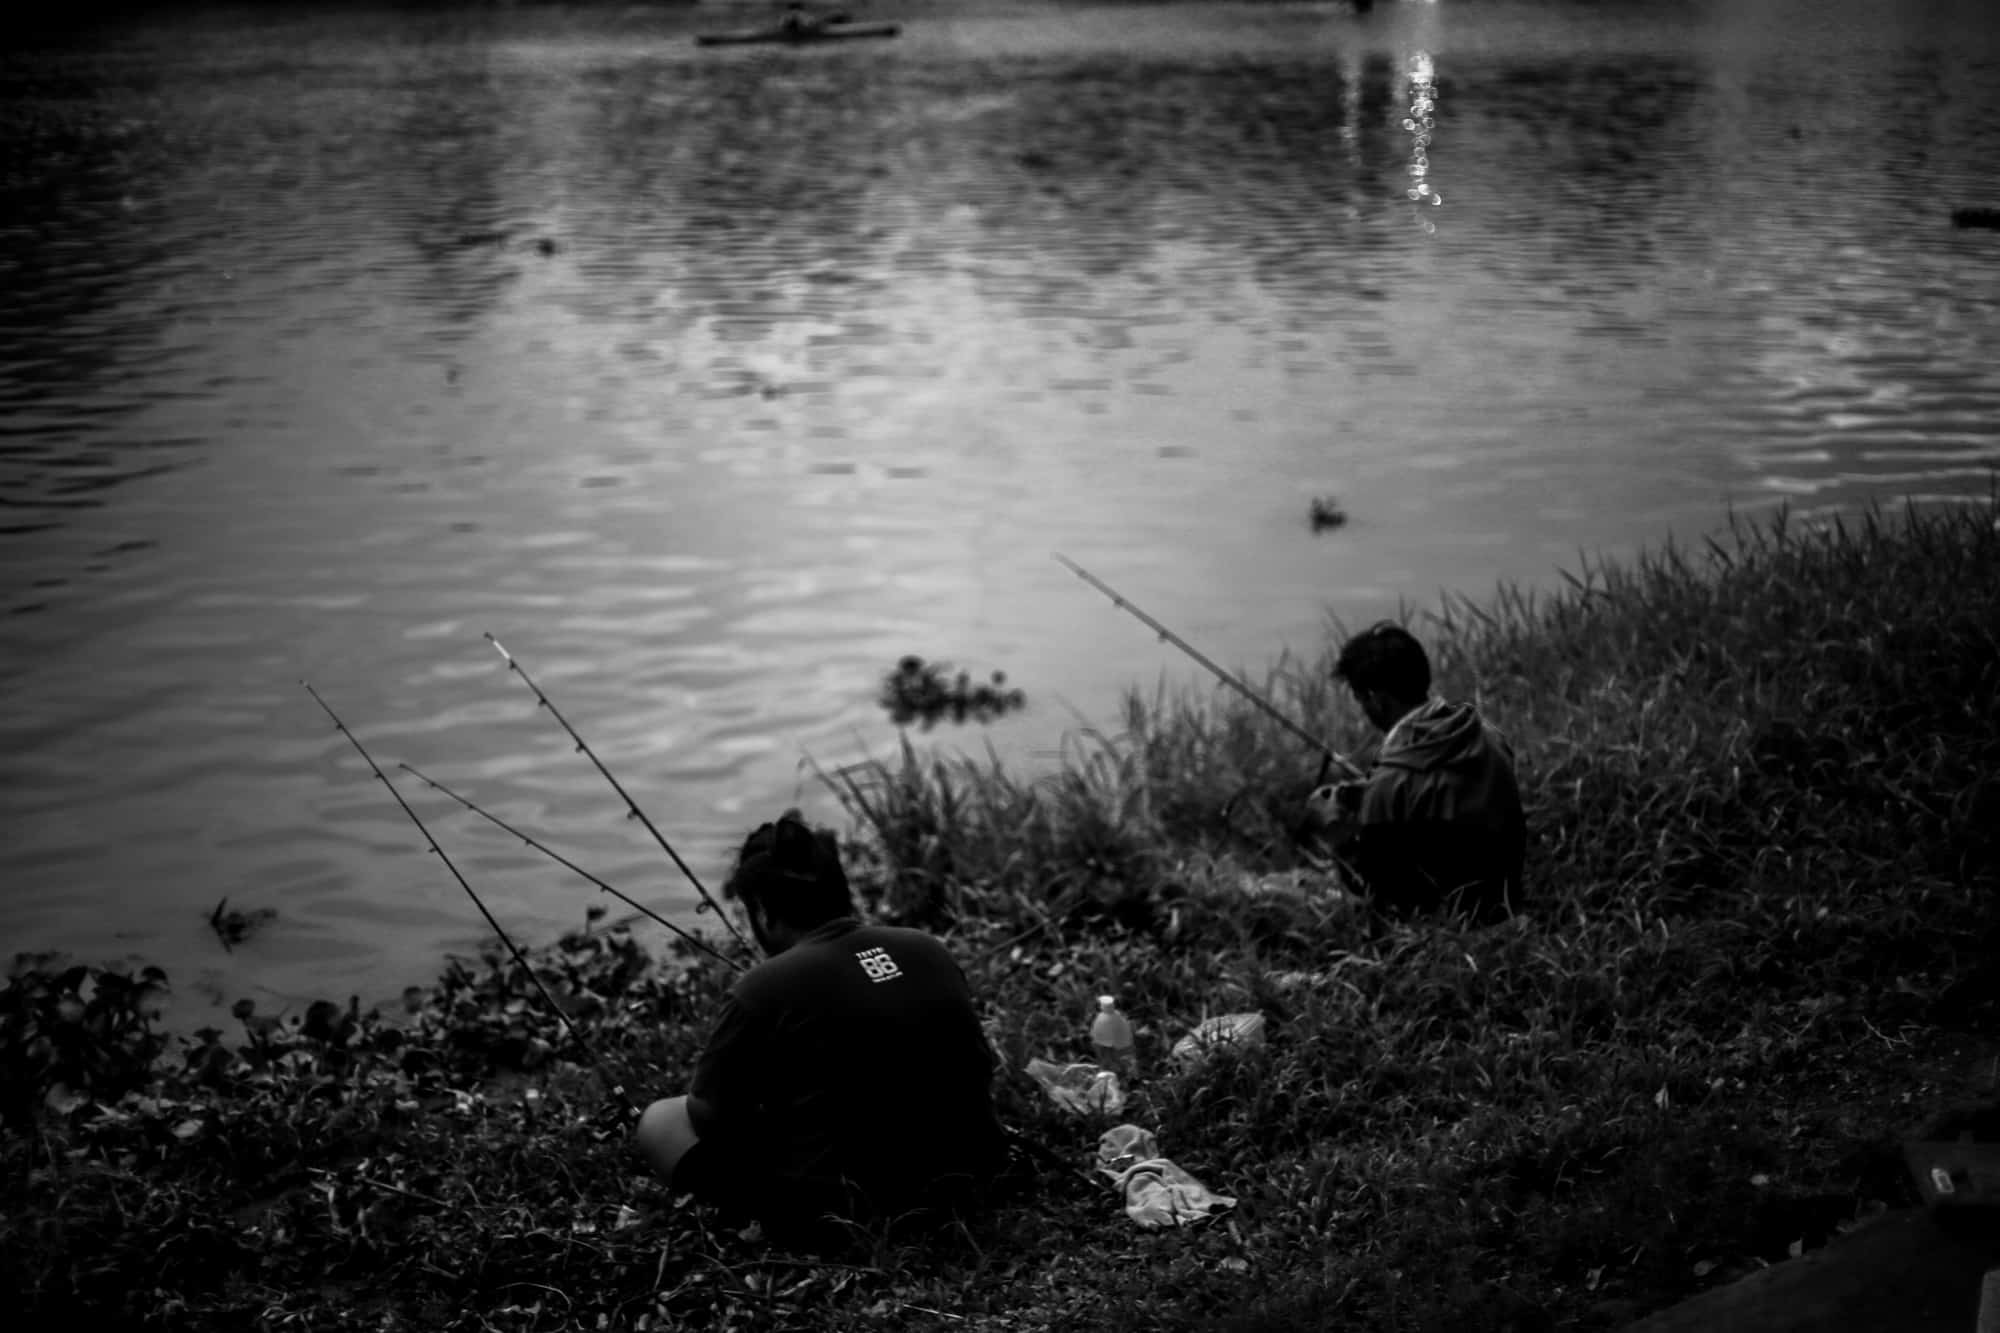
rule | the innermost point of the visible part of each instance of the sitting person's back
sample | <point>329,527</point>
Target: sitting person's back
<point>853,1065</point>
<point>846,1075</point>
<point>1438,820</point>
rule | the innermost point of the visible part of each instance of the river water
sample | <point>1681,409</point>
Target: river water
<point>713,381</point>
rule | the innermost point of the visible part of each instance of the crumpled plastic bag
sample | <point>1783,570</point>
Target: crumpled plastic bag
<point>1281,884</point>
<point>1214,1033</point>
<point>1081,1088</point>
<point>1157,1192</point>
<point>1123,1147</point>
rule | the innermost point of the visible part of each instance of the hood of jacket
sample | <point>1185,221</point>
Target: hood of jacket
<point>1437,735</point>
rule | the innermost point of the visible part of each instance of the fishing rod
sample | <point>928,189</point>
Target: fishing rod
<point>564,861</point>
<point>1328,754</point>
<point>707,901</point>
<point>617,1088</point>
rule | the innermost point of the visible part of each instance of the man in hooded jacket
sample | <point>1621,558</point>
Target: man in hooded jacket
<point>1437,822</point>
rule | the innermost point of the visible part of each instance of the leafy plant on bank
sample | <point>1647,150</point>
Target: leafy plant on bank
<point>74,1031</point>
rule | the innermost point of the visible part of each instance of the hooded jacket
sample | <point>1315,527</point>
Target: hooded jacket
<point>1439,821</point>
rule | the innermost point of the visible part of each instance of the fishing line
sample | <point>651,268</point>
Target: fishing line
<point>564,861</point>
<point>584,1045</point>
<point>707,901</point>
<point>1328,754</point>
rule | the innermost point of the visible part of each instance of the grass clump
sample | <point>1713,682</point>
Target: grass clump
<point>1760,908</point>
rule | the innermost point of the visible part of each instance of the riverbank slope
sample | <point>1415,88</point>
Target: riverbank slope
<point>1755,954</point>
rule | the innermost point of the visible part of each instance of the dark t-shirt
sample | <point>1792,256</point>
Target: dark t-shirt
<point>852,1060</point>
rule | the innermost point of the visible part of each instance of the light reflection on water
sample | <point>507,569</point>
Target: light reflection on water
<point>713,382</point>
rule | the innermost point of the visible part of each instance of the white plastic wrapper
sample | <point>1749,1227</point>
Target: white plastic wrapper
<point>1081,1088</point>
<point>1158,1193</point>
<point>1213,1034</point>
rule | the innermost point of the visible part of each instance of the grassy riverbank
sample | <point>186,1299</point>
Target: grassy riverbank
<point>1761,878</point>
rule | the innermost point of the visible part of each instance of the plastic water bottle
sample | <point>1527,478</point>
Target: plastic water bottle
<point>1111,1034</point>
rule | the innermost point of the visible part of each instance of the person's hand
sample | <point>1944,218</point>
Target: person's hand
<point>1336,803</point>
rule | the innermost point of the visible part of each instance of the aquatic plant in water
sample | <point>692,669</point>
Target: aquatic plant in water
<point>1327,513</point>
<point>929,692</point>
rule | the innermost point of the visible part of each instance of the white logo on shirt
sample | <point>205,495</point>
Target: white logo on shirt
<point>878,965</point>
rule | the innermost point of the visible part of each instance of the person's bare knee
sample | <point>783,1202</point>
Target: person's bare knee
<point>664,1135</point>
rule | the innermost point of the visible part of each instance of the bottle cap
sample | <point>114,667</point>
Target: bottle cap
<point>1107,1001</point>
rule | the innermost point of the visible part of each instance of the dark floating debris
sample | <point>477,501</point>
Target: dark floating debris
<point>1988,218</point>
<point>232,925</point>
<point>929,692</point>
<point>1327,513</point>
<point>546,246</point>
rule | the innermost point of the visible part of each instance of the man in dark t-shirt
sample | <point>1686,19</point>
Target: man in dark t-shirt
<point>846,1075</point>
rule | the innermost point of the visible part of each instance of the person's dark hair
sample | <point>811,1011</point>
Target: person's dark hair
<point>1385,657</point>
<point>793,873</point>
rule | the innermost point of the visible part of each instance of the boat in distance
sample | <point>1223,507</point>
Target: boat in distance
<point>803,35</point>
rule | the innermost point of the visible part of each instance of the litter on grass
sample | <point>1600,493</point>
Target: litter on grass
<point>1157,1192</point>
<point>1080,1088</point>
<point>1211,1035</point>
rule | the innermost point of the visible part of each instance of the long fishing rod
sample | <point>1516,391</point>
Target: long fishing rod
<point>707,902</point>
<point>564,861</point>
<point>617,1088</point>
<point>1271,710</point>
